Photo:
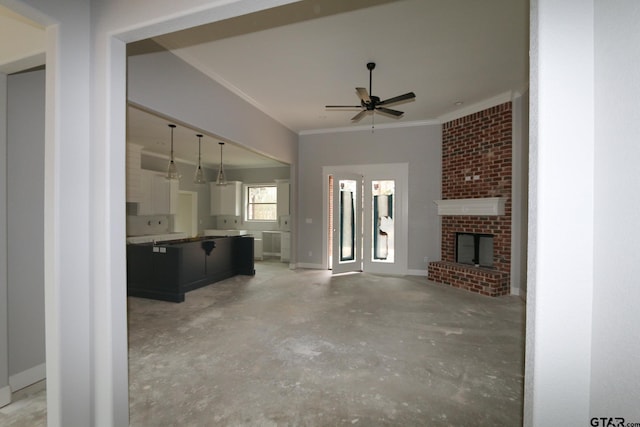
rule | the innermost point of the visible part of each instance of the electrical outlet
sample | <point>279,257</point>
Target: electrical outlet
<point>310,253</point>
<point>426,260</point>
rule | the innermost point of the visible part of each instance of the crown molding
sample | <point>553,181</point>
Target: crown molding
<point>369,127</point>
<point>479,106</point>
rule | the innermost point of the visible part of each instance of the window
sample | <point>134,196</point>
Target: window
<point>262,203</point>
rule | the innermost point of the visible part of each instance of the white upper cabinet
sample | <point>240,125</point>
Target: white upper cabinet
<point>159,195</point>
<point>283,196</point>
<point>134,185</point>
<point>226,199</point>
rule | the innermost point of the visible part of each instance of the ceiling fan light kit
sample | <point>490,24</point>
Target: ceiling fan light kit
<point>370,102</point>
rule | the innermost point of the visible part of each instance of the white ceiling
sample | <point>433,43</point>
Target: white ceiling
<point>293,60</point>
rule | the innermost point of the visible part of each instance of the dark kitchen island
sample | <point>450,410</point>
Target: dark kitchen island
<point>167,270</point>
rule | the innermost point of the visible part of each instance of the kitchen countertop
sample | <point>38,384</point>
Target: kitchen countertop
<point>150,238</point>
<point>222,233</point>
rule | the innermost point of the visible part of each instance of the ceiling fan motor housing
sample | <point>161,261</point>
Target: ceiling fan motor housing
<point>373,103</point>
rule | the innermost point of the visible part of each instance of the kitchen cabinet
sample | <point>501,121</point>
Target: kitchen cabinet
<point>134,158</point>
<point>167,270</point>
<point>226,199</point>
<point>282,186</point>
<point>159,195</point>
<point>285,246</point>
<point>271,243</point>
<point>277,243</point>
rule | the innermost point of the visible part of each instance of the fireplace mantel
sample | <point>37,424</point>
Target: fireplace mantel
<point>486,206</point>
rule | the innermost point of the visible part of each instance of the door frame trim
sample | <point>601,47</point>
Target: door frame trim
<point>397,171</point>
<point>194,210</point>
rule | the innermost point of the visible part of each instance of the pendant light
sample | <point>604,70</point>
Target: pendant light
<point>221,179</point>
<point>199,176</point>
<point>172,170</point>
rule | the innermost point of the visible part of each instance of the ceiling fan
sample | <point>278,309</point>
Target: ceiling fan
<point>369,102</point>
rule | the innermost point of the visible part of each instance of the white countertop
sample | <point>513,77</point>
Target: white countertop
<point>149,238</point>
<point>222,233</point>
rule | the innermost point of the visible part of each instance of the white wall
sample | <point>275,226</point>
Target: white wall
<point>419,146</point>
<point>84,239</point>
<point>519,193</point>
<point>25,227</point>
<point>161,82</point>
<point>67,205</point>
<point>205,220</point>
<point>561,223</point>
<point>86,367</point>
<point>258,175</point>
<point>582,323</point>
<point>615,354</point>
<point>5,390</point>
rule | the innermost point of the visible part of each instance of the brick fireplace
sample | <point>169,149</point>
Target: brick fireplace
<point>476,180</point>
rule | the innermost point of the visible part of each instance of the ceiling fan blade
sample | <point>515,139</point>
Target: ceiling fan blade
<point>358,116</point>
<point>406,97</point>
<point>343,106</point>
<point>395,113</point>
<point>363,94</point>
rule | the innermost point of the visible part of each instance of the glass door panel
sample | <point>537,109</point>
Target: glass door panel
<point>347,231</point>
<point>383,232</point>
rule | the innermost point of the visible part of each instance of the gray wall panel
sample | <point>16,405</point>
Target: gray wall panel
<point>25,224</point>
<point>419,146</point>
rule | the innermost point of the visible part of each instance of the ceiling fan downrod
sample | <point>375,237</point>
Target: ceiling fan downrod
<point>371,66</point>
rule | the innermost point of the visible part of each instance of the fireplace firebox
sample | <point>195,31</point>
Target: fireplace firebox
<point>474,249</point>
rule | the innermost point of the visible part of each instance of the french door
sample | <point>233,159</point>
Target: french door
<point>347,223</point>
<point>380,224</point>
<point>368,219</point>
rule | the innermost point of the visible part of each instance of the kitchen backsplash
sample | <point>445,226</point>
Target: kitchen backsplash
<point>231,222</point>
<point>147,224</point>
<point>228,222</point>
<point>284,223</point>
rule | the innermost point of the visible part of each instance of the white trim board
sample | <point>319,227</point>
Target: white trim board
<point>310,266</point>
<point>26,378</point>
<point>5,396</point>
<point>414,272</point>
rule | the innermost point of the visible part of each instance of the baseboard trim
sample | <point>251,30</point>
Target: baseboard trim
<point>310,266</point>
<point>28,377</point>
<point>417,272</point>
<point>5,396</point>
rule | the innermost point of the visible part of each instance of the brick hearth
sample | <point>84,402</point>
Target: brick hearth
<point>476,163</point>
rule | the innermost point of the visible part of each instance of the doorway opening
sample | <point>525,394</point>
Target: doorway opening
<point>186,220</point>
<point>365,212</point>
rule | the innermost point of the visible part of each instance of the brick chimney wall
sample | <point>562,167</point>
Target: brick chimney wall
<point>476,163</point>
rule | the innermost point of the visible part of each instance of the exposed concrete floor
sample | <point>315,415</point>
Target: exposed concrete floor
<point>302,348</point>
<point>28,407</point>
